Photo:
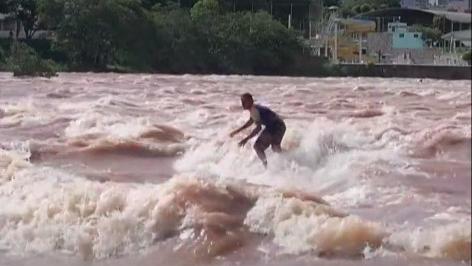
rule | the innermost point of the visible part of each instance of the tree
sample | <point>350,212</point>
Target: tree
<point>2,56</point>
<point>428,33</point>
<point>439,23</point>
<point>28,15</point>
<point>276,47</point>
<point>357,9</point>
<point>51,12</point>
<point>25,13</point>
<point>181,47</point>
<point>132,35</point>
<point>24,61</point>
<point>365,8</point>
<point>354,7</point>
<point>94,33</point>
<point>467,57</point>
<point>329,3</point>
<point>205,9</point>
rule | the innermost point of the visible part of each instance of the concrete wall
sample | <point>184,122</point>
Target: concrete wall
<point>407,71</point>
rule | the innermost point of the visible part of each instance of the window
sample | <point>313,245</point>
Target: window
<point>402,35</point>
<point>415,35</point>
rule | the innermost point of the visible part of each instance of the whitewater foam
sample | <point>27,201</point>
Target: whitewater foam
<point>371,168</point>
<point>321,156</point>
<point>301,226</point>
<point>451,241</point>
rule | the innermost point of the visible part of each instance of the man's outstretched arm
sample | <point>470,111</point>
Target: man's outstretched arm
<point>246,125</point>
<point>252,135</point>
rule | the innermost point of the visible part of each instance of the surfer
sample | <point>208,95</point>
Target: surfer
<point>271,135</point>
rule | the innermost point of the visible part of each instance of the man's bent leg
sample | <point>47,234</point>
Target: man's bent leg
<point>262,143</point>
<point>277,137</point>
<point>276,148</point>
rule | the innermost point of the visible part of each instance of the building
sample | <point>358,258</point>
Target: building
<point>7,26</point>
<point>344,40</point>
<point>459,5</point>
<point>452,20</point>
<point>402,38</point>
<point>408,3</point>
<point>442,3</point>
<point>352,40</point>
<point>11,28</point>
<point>439,4</point>
<point>415,3</point>
<point>397,42</point>
<point>451,5</point>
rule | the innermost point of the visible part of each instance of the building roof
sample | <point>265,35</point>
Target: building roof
<point>350,21</point>
<point>423,15</point>
<point>358,25</point>
<point>459,17</point>
<point>463,35</point>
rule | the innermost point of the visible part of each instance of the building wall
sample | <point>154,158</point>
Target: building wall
<point>7,25</point>
<point>407,40</point>
<point>397,27</point>
<point>408,71</point>
<point>459,5</point>
<point>379,41</point>
<point>415,3</point>
<point>408,3</point>
<point>443,2</point>
<point>423,4</point>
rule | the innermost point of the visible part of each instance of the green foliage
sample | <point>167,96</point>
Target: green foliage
<point>329,3</point>
<point>207,40</point>
<point>428,33</point>
<point>24,61</point>
<point>93,33</point>
<point>467,56</point>
<point>2,56</point>
<point>275,47</point>
<point>51,12</point>
<point>354,7</point>
<point>439,23</point>
<point>166,36</point>
<point>179,49</point>
<point>365,8</point>
<point>205,9</point>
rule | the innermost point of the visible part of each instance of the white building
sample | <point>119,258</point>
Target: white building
<point>459,5</point>
<point>9,27</point>
<point>421,4</point>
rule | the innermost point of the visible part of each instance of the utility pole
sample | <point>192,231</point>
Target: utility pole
<point>290,16</point>
<point>335,41</point>
<point>309,22</point>
<point>452,37</point>
<point>360,47</point>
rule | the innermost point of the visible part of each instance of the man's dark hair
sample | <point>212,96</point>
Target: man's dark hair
<point>247,96</point>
